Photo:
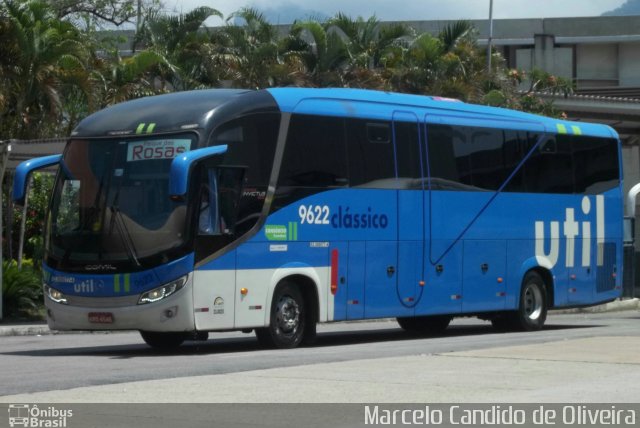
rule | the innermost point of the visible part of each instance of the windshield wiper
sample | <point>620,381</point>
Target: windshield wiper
<point>116,217</point>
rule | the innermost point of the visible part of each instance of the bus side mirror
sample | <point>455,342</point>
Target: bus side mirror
<point>182,165</point>
<point>23,172</point>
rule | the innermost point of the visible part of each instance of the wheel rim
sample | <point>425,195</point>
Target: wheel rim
<point>533,302</point>
<point>288,316</point>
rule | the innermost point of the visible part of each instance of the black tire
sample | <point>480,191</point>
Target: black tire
<point>532,308</point>
<point>163,341</point>
<point>425,325</point>
<point>287,320</point>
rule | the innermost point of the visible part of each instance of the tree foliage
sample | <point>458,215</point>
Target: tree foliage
<point>55,68</point>
<point>21,290</point>
<point>102,12</point>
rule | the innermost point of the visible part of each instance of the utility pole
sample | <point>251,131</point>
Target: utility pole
<point>139,18</point>
<point>490,36</point>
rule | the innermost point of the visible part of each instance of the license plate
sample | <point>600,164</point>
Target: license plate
<point>101,317</point>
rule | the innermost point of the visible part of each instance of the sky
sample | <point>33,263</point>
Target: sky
<point>284,11</point>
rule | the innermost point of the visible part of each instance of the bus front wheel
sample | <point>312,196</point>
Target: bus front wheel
<point>287,321</point>
<point>164,341</point>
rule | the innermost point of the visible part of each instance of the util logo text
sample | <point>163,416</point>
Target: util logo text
<point>572,229</point>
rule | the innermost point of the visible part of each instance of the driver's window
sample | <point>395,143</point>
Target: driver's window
<point>219,196</point>
<point>209,220</point>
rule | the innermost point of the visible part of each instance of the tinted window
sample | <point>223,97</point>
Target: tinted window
<point>408,152</point>
<point>487,159</point>
<point>473,158</point>
<point>550,167</point>
<point>596,164</point>
<point>370,154</point>
<point>569,164</point>
<point>442,164</point>
<point>517,146</point>
<point>251,144</point>
<point>315,154</point>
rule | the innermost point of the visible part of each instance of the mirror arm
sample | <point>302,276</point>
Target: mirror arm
<point>181,167</point>
<point>23,172</point>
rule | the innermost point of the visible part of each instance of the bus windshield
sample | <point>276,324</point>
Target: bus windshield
<point>111,206</point>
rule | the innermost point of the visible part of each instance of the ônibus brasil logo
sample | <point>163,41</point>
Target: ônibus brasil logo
<point>32,416</point>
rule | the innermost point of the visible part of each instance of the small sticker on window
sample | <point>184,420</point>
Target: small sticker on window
<point>156,149</point>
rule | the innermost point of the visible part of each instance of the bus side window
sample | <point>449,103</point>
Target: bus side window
<point>550,168</point>
<point>370,153</point>
<point>408,153</point>
<point>314,155</point>
<point>443,165</point>
<point>596,164</point>
<point>487,158</point>
<point>251,142</point>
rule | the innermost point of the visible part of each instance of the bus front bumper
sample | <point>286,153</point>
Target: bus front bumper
<point>171,314</point>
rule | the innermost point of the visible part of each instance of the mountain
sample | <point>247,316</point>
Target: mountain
<point>287,13</point>
<point>631,7</point>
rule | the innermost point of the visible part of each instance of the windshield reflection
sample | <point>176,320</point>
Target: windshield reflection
<point>111,202</point>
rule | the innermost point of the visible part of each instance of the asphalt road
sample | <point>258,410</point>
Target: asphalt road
<point>31,364</point>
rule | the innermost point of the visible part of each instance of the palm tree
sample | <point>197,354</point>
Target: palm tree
<point>452,34</point>
<point>120,79</point>
<point>184,41</point>
<point>40,56</point>
<point>369,40</point>
<point>414,68</point>
<point>449,64</point>
<point>250,52</point>
<point>321,55</point>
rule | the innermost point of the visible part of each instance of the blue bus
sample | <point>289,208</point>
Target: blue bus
<point>274,210</point>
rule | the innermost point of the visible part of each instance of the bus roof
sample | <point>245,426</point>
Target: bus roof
<point>384,105</point>
<point>168,112</point>
<point>194,109</point>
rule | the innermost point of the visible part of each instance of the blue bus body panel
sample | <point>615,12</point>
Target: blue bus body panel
<point>502,237</point>
<point>115,285</point>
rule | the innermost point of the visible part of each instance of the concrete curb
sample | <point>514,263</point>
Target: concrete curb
<point>43,329</point>
<point>25,330</point>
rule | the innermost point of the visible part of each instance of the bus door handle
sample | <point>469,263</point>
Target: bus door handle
<point>391,270</point>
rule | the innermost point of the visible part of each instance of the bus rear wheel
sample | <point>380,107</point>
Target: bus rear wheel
<point>163,341</point>
<point>425,325</point>
<point>287,321</point>
<point>532,309</point>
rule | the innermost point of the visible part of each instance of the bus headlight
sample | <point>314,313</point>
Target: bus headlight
<point>163,291</point>
<point>55,295</point>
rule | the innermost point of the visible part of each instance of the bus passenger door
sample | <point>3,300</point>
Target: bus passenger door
<point>411,221</point>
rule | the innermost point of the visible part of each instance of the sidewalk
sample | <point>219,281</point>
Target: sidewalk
<point>39,328</point>
<point>36,328</point>
<point>566,371</point>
